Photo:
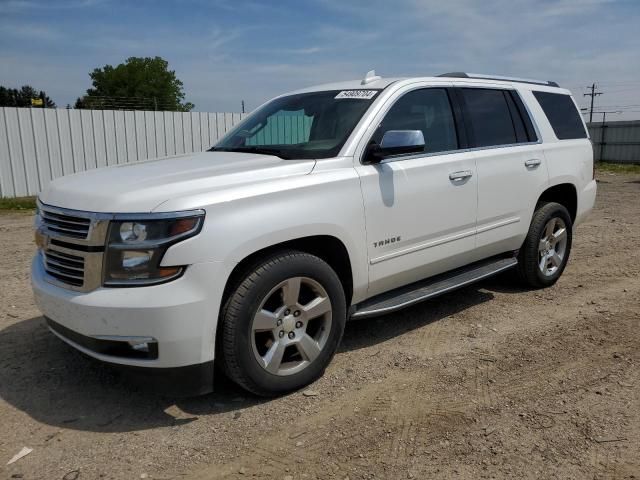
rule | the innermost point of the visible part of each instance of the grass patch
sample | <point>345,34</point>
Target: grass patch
<point>20,203</point>
<point>608,167</point>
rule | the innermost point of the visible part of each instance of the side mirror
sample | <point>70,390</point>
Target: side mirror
<point>396,142</point>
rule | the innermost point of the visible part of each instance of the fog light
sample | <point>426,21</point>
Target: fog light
<point>140,347</point>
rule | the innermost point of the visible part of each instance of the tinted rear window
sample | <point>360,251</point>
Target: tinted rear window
<point>562,114</point>
<point>490,117</point>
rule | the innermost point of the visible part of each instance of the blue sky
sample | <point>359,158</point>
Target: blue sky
<point>228,50</point>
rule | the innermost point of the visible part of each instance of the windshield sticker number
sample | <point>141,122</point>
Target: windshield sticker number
<point>359,94</point>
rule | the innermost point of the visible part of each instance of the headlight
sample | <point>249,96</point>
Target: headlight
<point>136,247</point>
<point>131,232</point>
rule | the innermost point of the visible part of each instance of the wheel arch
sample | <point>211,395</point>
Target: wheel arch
<point>327,247</point>
<point>565,194</point>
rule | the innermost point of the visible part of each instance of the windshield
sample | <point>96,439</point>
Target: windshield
<point>307,125</point>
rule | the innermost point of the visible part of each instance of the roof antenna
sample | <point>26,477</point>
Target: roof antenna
<point>370,77</point>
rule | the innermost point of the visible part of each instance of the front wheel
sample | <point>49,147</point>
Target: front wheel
<point>282,324</point>
<point>546,249</point>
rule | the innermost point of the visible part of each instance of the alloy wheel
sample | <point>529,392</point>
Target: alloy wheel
<point>291,326</point>
<point>552,246</point>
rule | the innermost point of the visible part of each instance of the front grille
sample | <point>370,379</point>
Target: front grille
<point>66,268</point>
<point>67,225</point>
<point>72,246</point>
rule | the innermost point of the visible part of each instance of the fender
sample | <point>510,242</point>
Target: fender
<point>324,202</point>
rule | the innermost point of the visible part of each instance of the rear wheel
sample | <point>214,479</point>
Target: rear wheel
<point>282,324</point>
<point>546,249</point>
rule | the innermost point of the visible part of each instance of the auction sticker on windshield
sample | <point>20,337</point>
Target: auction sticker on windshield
<point>363,94</point>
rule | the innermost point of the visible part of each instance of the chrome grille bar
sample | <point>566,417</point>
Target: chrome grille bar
<point>66,268</point>
<point>65,261</point>
<point>67,225</point>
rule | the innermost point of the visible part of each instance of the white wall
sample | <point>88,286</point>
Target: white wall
<point>37,145</point>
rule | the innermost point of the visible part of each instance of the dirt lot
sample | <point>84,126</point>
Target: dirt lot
<point>487,382</point>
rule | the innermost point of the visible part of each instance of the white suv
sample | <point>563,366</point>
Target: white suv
<point>340,201</point>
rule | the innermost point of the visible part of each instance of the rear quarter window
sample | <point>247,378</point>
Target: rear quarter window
<point>562,115</point>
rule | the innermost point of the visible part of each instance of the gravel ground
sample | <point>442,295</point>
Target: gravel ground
<point>491,381</point>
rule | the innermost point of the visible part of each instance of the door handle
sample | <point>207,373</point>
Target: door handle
<point>532,162</point>
<point>461,175</point>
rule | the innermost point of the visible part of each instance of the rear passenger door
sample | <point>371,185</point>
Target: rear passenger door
<point>510,164</point>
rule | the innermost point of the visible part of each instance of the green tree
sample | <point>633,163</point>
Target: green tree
<point>12,97</point>
<point>138,84</point>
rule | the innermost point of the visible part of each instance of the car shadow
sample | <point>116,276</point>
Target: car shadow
<point>59,386</point>
<point>505,282</point>
<point>366,332</point>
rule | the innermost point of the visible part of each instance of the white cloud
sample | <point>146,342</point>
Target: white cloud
<point>21,5</point>
<point>574,42</point>
<point>269,50</point>
<point>302,51</point>
<point>29,31</point>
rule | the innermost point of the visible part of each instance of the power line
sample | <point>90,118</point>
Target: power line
<point>625,90</point>
<point>633,82</point>
<point>623,111</point>
<point>618,107</point>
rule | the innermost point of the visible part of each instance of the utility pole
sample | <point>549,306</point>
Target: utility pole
<point>603,129</point>
<point>592,95</point>
<point>242,106</point>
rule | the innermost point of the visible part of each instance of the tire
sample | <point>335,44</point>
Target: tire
<point>538,267</point>
<point>261,323</point>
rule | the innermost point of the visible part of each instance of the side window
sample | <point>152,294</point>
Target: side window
<point>562,114</point>
<point>490,117</point>
<point>428,110</point>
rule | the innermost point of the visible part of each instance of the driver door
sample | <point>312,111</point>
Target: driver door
<point>420,208</point>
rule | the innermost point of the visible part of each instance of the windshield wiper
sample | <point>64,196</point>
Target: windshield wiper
<point>262,150</point>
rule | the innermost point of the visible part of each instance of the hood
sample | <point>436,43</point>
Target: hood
<point>141,187</point>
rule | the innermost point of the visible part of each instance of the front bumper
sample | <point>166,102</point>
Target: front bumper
<point>179,317</point>
<point>190,380</point>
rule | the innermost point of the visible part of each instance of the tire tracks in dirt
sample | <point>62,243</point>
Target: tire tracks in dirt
<point>388,429</point>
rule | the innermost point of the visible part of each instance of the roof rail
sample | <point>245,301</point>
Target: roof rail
<point>498,77</point>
